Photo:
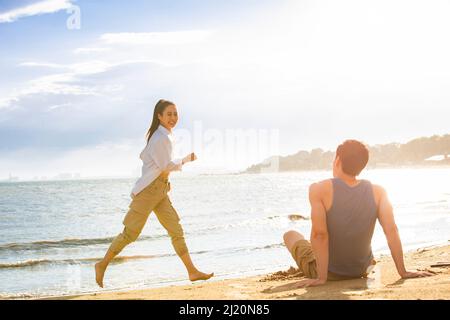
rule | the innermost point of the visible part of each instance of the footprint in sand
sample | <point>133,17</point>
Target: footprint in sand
<point>238,294</point>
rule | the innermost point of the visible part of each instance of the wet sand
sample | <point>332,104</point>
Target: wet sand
<point>382,283</point>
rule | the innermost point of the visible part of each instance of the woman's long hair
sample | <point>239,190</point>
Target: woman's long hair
<point>159,109</point>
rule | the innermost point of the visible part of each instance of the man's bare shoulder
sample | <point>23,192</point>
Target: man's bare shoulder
<point>322,191</point>
<point>321,187</point>
<point>379,192</point>
<point>378,189</point>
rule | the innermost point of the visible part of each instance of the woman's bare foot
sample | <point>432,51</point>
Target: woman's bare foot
<point>100,269</point>
<point>196,276</point>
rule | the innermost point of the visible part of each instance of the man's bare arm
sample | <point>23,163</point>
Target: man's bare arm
<point>387,221</point>
<point>319,236</point>
<point>319,231</point>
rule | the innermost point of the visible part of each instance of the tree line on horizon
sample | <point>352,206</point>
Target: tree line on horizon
<point>412,153</point>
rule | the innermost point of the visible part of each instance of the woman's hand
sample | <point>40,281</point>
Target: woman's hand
<point>189,158</point>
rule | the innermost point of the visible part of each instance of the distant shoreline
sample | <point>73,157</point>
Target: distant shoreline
<point>424,151</point>
<point>393,167</point>
<point>440,166</point>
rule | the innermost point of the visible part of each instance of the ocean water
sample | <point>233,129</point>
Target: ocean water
<point>52,233</point>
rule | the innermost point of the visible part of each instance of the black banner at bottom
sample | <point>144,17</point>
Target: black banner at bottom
<point>213,309</point>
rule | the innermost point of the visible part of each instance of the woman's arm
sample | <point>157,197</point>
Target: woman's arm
<point>161,153</point>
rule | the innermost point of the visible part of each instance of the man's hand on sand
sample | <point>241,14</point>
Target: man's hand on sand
<point>416,274</point>
<point>309,283</point>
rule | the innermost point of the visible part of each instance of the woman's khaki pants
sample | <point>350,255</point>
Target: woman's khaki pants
<point>153,198</point>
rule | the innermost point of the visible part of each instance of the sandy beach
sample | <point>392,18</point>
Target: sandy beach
<point>383,283</point>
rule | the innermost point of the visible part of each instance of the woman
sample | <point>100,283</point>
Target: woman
<point>150,193</point>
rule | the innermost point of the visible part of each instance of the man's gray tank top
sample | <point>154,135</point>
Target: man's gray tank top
<point>351,222</point>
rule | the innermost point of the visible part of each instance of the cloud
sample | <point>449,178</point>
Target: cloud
<point>91,50</point>
<point>61,83</point>
<point>42,65</point>
<point>6,102</point>
<point>71,82</point>
<point>96,103</point>
<point>89,66</point>
<point>58,106</point>
<point>85,78</point>
<point>38,8</point>
<point>156,38</point>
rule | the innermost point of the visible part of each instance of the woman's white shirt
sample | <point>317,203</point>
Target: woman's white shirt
<point>157,157</point>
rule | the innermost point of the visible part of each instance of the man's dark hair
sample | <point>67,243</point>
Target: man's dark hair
<point>354,156</point>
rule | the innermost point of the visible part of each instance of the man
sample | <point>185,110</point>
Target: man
<point>344,211</point>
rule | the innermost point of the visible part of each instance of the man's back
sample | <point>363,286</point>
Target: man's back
<point>351,221</point>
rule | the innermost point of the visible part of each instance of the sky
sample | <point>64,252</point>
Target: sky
<point>251,78</point>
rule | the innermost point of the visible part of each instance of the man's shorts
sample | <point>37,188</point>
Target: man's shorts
<point>304,257</point>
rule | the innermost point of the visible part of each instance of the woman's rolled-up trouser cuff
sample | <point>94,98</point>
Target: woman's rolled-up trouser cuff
<point>122,240</point>
<point>127,237</point>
